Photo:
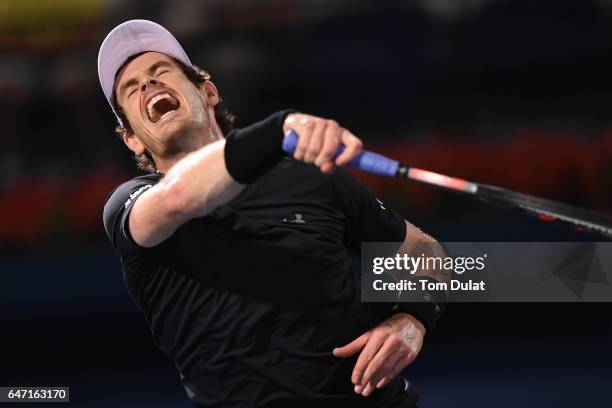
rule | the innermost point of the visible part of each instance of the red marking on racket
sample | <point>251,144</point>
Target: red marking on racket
<point>546,217</point>
<point>438,179</point>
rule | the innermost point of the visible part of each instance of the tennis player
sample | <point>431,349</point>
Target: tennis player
<point>240,258</point>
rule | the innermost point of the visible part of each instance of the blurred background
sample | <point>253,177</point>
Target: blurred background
<point>513,93</point>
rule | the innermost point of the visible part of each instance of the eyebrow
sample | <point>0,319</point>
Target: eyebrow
<point>151,70</point>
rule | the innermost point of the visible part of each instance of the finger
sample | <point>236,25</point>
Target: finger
<point>304,130</point>
<point>367,354</point>
<point>353,347</point>
<point>397,368</point>
<point>327,167</point>
<point>316,141</point>
<point>383,361</point>
<point>352,148</point>
<point>331,140</point>
<point>384,381</point>
<point>385,372</point>
<point>290,121</point>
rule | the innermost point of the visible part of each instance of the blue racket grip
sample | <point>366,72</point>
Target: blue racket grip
<point>369,162</point>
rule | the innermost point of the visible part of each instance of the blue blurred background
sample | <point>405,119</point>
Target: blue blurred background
<point>513,93</point>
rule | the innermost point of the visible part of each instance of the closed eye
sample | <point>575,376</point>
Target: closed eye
<point>162,72</point>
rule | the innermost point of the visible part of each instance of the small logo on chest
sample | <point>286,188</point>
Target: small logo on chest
<point>298,219</point>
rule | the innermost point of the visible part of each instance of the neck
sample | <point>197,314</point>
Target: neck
<point>164,164</point>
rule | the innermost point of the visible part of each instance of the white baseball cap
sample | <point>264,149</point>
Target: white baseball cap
<point>127,39</point>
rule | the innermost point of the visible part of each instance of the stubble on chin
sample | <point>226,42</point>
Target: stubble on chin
<point>188,137</point>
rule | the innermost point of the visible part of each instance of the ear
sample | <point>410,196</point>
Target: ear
<point>134,143</point>
<point>210,93</point>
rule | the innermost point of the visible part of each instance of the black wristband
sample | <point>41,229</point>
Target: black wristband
<point>426,306</point>
<point>251,151</point>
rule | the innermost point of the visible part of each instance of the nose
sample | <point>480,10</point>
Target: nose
<point>149,82</point>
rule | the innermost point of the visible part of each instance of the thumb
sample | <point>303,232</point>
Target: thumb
<point>353,347</point>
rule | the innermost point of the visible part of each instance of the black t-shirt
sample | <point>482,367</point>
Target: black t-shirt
<point>250,300</point>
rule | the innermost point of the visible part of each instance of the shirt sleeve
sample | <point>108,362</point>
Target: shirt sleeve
<point>367,219</point>
<point>116,214</point>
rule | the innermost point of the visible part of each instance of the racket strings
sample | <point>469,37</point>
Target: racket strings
<point>592,226</point>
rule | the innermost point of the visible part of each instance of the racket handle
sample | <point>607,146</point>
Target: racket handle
<point>369,162</point>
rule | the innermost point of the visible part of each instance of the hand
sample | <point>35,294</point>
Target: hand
<point>385,351</point>
<point>319,139</point>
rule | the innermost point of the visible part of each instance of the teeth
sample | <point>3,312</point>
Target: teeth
<point>154,100</point>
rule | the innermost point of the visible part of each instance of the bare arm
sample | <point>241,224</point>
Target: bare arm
<point>194,187</point>
<point>416,243</point>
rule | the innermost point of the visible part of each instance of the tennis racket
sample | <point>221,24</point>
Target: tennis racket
<point>541,208</point>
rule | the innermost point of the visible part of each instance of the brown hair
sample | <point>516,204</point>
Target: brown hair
<point>197,76</point>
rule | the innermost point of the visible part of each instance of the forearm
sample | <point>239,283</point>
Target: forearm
<point>426,306</point>
<point>194,186</point>
<point>200,182</point>
<point>420,244</point>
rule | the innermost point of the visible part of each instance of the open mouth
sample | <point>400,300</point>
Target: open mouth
<point>161,105</point>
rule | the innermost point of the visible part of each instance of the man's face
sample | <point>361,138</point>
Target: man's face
<point>168,114</point>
